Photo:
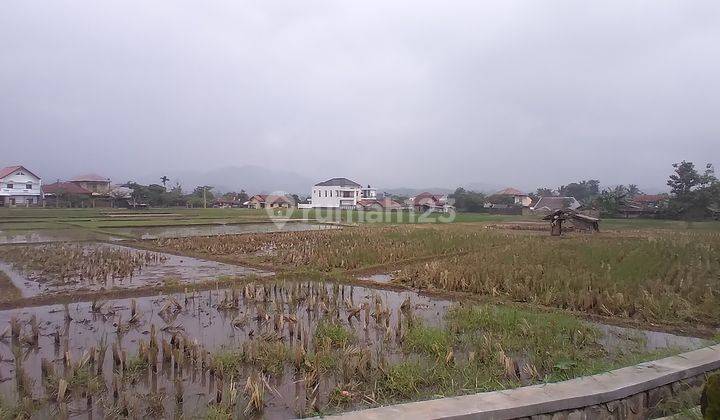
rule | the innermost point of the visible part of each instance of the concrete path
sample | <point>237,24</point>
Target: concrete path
<point>548,398</point>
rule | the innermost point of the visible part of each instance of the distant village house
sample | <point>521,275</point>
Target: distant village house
<point>269,201</point>
<point>94,183</point>
<point>512,196</point>
<point>19,187</point>
<point>426,201</point>
<point>384,204</point>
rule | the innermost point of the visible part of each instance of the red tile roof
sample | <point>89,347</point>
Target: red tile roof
<point>270,198</point>
<point>511,191</point>
<point>386,203</point>
<point>434,197</point>
<point>67,187</point>
<point>90,178</point>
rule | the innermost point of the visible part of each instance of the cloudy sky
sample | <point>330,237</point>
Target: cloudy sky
<point>397,93</point>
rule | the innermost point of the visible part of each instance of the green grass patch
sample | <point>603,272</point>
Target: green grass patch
<point>333,333</point>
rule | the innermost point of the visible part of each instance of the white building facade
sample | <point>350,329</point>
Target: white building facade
<point>339,193</point>
<point>19,187</point>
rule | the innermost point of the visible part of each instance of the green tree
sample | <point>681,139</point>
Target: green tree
<point>469,201</point>
<point>583,191</point>
<point>693,193</point>
<point>633,190</point>
<point>544,192</point>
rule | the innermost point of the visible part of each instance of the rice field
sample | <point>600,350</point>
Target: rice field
<point>173,322</point>
<point>342,249</point>
<point>73,267</point>
<point>658,278</point>
<point>287,348</point>
<point>651,276</point>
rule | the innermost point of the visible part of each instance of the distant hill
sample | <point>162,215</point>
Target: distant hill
<point>253,179</point>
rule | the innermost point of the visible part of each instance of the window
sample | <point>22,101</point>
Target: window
<point>10,186</point>
<point>28,186</point>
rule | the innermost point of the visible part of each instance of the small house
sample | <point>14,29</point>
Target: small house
<point>426,201</point>
<point>19,187</point>
<point>94,183</point>
<point>269,201</point>
<point>511,196</point>
<point>66,194</point>
<point>384,204</point>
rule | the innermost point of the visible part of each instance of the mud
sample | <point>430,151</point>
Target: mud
<point>50,235</point>
<point>281,311</point>
<point>165,269</point>
<point>212,230</point>
<point>208,320</point>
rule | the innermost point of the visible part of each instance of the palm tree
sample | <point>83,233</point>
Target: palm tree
<point>633,190</point>
<point>164,179</point>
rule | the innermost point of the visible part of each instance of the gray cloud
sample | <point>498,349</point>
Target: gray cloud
<point>411,93</point>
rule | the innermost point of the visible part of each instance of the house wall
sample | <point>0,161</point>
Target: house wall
<point>19,192</point>
<point>94,186</point>
<point>332,196</point>
<point>523,200</point>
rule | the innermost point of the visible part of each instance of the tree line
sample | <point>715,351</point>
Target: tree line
<point>693,194</point>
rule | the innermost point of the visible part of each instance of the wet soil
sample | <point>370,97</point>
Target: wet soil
<point>212,230</point>
<point>165,269</point>
<point>282,311</point>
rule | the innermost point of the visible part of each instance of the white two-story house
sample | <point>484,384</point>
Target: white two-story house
<point>340,193</point>
<point>19,187</point>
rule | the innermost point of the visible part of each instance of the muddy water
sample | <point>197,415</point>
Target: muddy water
<point>204,319</point>
<point>228,320</point>
<point>205,230</point>
<point>618,337</point>
<point>168,269</point>
<point>382,278</point>
<point>49,235</point>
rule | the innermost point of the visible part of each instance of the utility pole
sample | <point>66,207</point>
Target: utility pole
<point>204,197</point>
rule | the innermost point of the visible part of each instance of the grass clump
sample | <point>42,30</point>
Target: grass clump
<point>227,361</point>
<point>427,340</point>
<point>404,380</point>
<point>218,412</point>
<point>334,334</point>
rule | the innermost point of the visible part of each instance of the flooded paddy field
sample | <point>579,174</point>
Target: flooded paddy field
<point>72,267</point>
<point>159,232</point>
<point>281,349</point>
<point>51,235</point>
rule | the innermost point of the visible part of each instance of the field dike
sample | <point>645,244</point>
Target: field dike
<point>629,393</point>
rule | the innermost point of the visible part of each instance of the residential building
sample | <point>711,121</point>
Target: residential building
<point>644,205</point>
<point>368,193</point>
<point>384,204</point>
<point>66,194</point>
<point>551,204</point>
<point>94,183</point>
<point>430,202</point>
<point>651,201</point>
<point>339,193</point>
<point>511,196</point>
<point>269,201</point>
<point>19,187</point>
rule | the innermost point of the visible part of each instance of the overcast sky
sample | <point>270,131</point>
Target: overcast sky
<point>396,93</point>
